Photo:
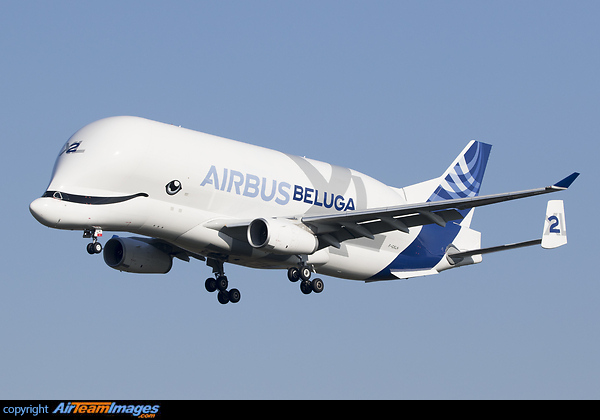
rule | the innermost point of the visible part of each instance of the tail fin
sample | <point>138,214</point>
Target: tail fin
<point>463,178</point>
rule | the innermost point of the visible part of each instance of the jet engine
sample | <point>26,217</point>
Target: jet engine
<point>136,256</point>
<point>281,237</point>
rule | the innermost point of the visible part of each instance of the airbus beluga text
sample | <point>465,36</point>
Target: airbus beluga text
<point>194,195</point>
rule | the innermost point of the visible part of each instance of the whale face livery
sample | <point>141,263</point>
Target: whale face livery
<point>193,195</point>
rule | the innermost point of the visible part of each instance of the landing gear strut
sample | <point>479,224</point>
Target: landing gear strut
<point>303,273</point>
<point>220,283</point>
<point>94,247</point>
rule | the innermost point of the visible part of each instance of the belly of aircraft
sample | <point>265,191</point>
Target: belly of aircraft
<point>358,259</point>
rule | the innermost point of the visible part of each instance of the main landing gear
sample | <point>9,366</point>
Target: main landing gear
<point>306,285</point>
<point>94,247</point>
<point>220,283</point>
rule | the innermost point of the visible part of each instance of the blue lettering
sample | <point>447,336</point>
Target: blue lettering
<point>252,183</point>
<point>350,205</point>
<point>317,199</point>
<point>62,408</point>
<point>339,203</point>
<point>554,225</point>
<point>73,147</point>
<point>298,193</point>
<point>211,178</point>
<point>252,186</point>
<point>308,194</point>
<point>330,204</point>
<point>285,195</point>
<point>263,190</point>
<point>225,171</point>
<point>237,179</point>
<point>59,409</point>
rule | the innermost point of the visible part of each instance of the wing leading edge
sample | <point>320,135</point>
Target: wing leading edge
<point>332,229</point>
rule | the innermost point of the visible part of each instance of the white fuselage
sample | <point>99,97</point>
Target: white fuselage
<point>216,180</point>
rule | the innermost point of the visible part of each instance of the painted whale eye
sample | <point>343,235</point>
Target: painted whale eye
<point>173,187</point>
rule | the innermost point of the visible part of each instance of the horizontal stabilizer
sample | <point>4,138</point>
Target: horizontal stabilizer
<point>456,257</point>
<point>554,235</point>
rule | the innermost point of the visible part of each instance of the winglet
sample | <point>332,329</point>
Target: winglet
<point>566,183</point>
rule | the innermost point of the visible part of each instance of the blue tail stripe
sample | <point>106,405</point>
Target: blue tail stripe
<point>465,184</point>
<point>471,185</point>
<point>430,245</point>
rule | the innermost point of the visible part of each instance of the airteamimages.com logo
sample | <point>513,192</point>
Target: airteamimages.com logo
<point>146,411</point>
<point>141,411</point>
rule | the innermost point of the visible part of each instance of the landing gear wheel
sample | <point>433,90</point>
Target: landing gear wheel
<point>94,248</point>
<point>222,283</point>
<point>223,297</point>
<point>317,285</point>
<point>234,296</point>
<point>305,273</point>
<point>306,287</point>
<point>293,274</point>
<point>210,284</point>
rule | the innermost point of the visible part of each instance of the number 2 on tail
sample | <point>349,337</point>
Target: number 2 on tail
<point>554,224</point>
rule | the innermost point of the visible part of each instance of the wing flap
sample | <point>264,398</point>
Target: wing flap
<point>334,234</point>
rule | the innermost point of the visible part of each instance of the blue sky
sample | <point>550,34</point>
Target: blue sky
<point>394,89</point>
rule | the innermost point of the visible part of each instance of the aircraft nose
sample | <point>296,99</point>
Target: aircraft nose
<point>42,210</point>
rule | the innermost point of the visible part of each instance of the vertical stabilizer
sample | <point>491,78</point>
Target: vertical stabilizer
<point>462,179</point>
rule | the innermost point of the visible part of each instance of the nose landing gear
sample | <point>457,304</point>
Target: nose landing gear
<point>94,247</point>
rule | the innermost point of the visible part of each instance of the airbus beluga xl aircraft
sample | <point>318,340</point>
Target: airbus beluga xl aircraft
<point>193,195</point>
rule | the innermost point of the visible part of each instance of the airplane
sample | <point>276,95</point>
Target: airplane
<point>187,194</point>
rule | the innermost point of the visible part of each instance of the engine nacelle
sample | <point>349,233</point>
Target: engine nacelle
<point>281,237</point>
<point>136,256</point>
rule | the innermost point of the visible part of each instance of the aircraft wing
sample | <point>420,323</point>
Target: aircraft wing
<point>335,228</point>
<point>332,229</point>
